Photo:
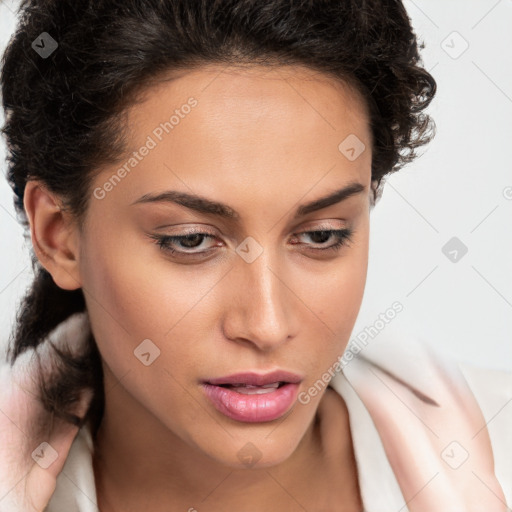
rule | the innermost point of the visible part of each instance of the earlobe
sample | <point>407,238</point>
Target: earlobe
<point>53,235</point>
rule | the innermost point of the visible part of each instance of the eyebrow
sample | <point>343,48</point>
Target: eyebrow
<point>207,206</point>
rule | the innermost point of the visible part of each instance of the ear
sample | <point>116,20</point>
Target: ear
<point>54,235</point>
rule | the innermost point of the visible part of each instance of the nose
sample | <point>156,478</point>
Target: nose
<point>262,311</point>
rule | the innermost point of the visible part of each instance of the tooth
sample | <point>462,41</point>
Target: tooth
<point>254,391</point>
<point>250,386</point>
<point>249,389</point>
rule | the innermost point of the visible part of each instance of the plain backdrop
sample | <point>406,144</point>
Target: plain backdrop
<point>441,238</point>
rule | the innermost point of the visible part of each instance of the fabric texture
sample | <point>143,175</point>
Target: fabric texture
<point>428,435</point>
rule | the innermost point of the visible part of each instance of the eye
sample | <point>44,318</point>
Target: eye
<point>185,242</point>
<point>342,237</point>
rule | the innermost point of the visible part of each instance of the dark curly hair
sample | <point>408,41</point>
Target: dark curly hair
<point>64,113</point>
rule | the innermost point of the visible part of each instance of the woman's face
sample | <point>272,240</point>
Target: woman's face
<point>254,293</point>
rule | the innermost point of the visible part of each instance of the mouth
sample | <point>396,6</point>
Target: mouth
<point>248,389</point>
<point>252,398</point>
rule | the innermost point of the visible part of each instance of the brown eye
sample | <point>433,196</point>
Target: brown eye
<point>169,243</point>
<point>341,236</point>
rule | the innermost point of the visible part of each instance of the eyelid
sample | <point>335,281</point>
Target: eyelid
<point>200,230</point>
<point>188,230</point>
<point>321,227</point>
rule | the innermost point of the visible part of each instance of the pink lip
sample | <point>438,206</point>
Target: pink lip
<point>253,408</point>
<point>256,379</point>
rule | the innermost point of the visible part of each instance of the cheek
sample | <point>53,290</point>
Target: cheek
<point>129,301</point>
<point>134,294</point>
<point>336,294</point>
<point>335,298</point>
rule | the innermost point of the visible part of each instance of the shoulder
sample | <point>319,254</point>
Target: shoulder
<point>493,392</point>
<point>423,406</point>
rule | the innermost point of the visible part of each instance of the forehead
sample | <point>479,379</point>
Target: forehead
<point>242,100</point>
<point>245,134</point>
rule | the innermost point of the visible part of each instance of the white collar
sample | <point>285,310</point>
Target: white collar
<point>379,487</point>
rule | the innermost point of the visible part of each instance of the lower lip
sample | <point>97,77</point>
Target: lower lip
<point>252,408</point>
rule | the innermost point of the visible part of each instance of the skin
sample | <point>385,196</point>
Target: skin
<point>261,141</point>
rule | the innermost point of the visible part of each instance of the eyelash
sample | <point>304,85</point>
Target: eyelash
<point>344,238</point>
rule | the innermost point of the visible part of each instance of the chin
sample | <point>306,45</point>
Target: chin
<point>256,451</point>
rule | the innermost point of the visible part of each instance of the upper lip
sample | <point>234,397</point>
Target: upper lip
<point>255,379</point>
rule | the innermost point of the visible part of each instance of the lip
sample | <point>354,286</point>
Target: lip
<point>253,408</point>
<point>255,379</point>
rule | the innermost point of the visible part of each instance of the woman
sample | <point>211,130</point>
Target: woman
<point>197,179</point>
